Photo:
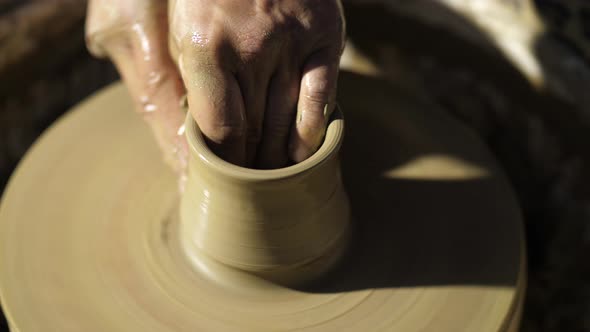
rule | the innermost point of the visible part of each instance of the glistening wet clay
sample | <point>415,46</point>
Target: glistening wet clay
<point>288,225</point>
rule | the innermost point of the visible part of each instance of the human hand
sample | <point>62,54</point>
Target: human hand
<point>134,35</point>
<point>248,67</point>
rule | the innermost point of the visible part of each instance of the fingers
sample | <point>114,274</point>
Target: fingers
<point>137,44</point>
<point>201,45</point>
<point>316,102</point>
<point>215,101</point>
<point>254,88</point>
<point>278,118</point>
<point>157,96</point>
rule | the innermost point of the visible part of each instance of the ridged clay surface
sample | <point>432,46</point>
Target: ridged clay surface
<point>89,231</point>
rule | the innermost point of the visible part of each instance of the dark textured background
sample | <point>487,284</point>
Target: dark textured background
<point>44,70</point>
<point>540,139</point>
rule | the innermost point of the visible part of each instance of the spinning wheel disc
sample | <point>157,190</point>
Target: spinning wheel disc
<point>89,242</point>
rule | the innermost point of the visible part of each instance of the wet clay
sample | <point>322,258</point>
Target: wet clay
<point>92,237</point>
<point>287,225</point>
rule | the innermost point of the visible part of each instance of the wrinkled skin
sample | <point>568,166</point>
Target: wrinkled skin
<point>260,75</point>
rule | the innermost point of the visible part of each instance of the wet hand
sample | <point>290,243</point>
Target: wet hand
<point>260,75</point>
<point>134,35</point>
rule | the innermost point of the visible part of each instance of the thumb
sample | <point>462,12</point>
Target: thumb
<point>157,91</point>
<point>316,102</point>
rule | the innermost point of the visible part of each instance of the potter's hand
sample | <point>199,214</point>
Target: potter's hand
<point>247,65</point>
<point>134,34</point>
<point>260,74</point>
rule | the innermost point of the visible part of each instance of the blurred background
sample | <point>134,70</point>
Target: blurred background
<point>516,71</point>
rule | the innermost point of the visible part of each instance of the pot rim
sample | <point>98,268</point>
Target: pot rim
<point>329,148</point>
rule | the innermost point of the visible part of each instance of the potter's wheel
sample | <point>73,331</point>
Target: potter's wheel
<point>88,232</point>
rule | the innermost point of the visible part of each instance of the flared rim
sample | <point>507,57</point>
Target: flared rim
<point>329,148</point>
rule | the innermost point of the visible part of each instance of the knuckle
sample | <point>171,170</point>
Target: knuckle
<point>190,45</point>
<point>221,128</point>
<point>223,134</point>
<point>205,49</point>
<point>316,97</point>
<point>252,44</point>
<point>110,44</point>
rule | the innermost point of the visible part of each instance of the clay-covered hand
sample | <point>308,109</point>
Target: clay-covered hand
<point>134,34</point>
<point>260,74</point>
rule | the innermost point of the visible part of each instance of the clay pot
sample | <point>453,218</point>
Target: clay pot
<point>288,225</point>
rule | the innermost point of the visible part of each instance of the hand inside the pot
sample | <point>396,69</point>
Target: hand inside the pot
<point>260,75</point>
